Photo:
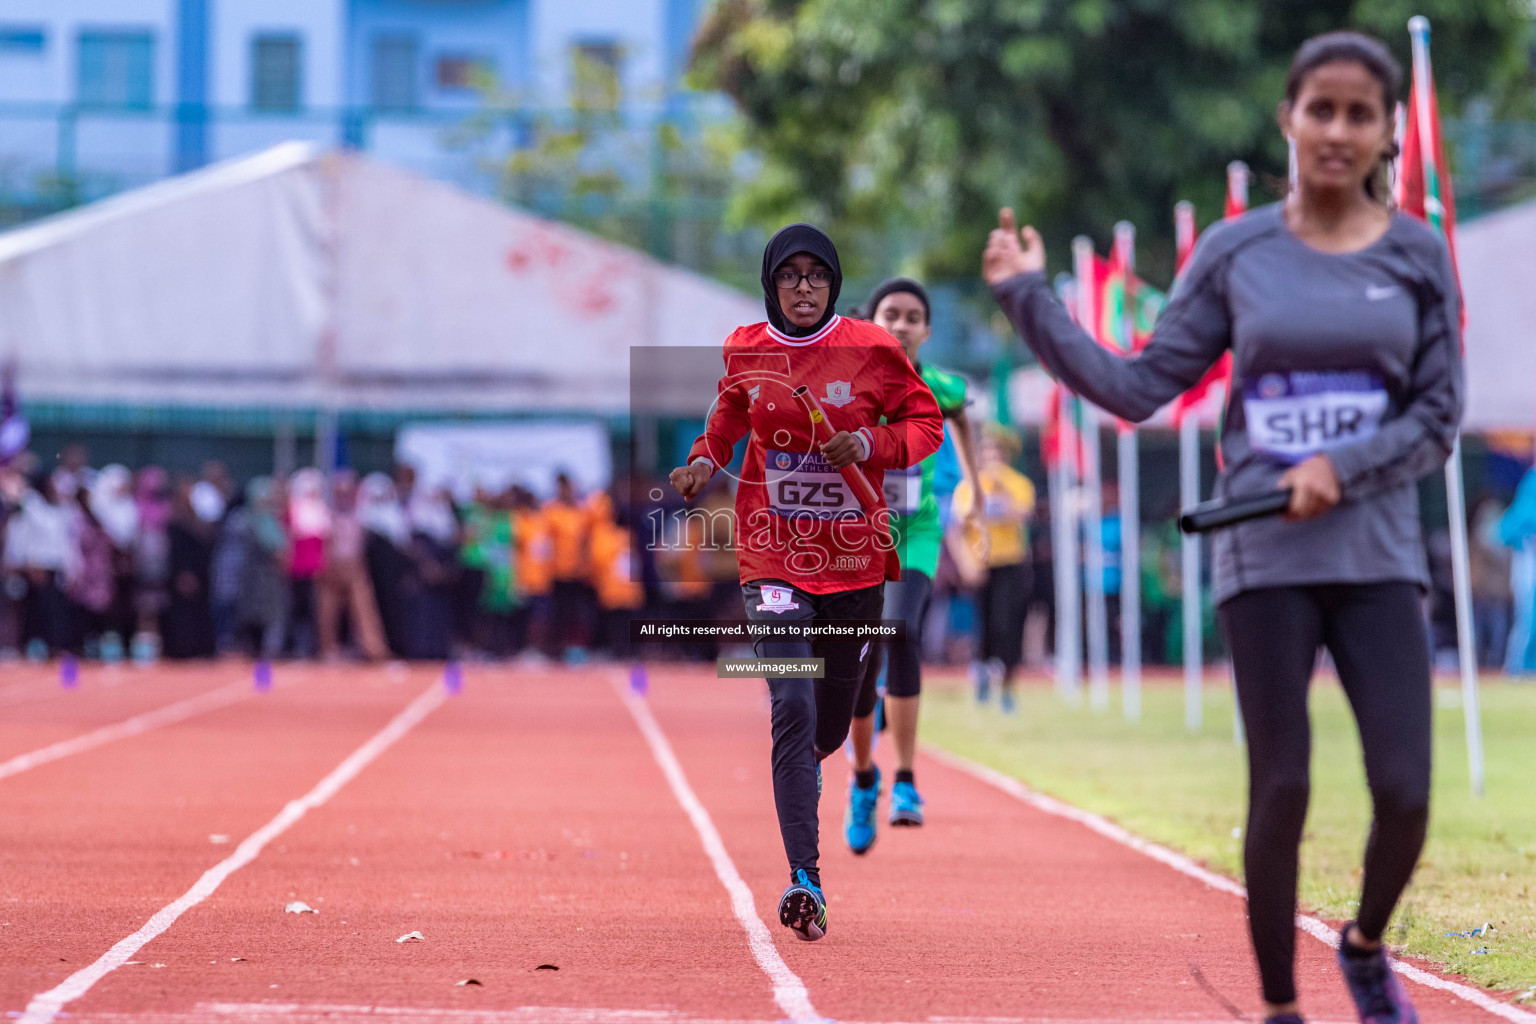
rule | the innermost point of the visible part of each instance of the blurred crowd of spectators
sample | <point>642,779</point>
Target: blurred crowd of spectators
<point>118,563</point>
<point>115,563</point>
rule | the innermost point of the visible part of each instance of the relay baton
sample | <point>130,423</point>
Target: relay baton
<point>857,482</point>
<point>1223,512</point>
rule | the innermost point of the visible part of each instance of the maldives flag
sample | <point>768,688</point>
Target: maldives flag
<point>1423,176</point>
<point>1124,307</point>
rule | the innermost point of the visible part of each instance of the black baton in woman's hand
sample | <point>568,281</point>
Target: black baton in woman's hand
<point>1214,515</point>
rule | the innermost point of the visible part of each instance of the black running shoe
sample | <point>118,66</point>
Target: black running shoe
<point>1378,995</point>
<point>803,908</point>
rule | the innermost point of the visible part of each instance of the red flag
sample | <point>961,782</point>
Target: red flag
<point>1221,372</point>
<point>1237,189</point>
<point>1424,178</point>
<point>1058,435</point>
<point>1184,232</point>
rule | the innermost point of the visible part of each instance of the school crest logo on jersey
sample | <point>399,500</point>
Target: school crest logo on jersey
<point>778,600</point>
<point>839,393</point>
<point>1272,385</point>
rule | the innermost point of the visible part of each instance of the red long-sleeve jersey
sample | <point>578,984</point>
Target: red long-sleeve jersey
<point>796,519</point>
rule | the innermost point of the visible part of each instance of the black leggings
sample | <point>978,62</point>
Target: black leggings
<point>1375,633</point>
<point>810,716</point>
<point>906,601</point>
<point>1004,602</point>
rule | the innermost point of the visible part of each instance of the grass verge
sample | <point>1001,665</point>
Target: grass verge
<point>1189,791</point>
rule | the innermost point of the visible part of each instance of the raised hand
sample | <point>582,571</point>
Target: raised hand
<point>1011,251</point>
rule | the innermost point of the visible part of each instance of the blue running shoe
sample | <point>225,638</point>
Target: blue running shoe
<point>1378,995</point>
<point>981,680</point>
<point>906,805</point>
<point>1006,702</point>
<point>803,908</point>
<point>859,825</point>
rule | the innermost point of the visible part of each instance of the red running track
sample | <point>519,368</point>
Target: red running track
<point>527,823</point>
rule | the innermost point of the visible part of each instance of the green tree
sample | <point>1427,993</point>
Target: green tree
<point>903,124</point>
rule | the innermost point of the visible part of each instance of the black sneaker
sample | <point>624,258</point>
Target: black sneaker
<point>1378,994</point>
<point>1285,1018</point>
<point>803,908</point>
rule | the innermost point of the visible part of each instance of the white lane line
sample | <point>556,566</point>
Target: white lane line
<point>1182,864</point>
<point>182,709</point>
<point>328,1013</point>
<point>788,990</point>
<point>45,1006</point>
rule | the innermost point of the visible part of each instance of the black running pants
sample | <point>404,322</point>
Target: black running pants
<point>1375,633</point>
<point>810,716</point>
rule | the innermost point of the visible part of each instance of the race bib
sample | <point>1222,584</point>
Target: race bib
<point>904,489</point>
<point>801,485</point>
<point>1292,416</point>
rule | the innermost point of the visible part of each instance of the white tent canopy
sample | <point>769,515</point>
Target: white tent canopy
<point>1497,257</point>
<point>301,278</point>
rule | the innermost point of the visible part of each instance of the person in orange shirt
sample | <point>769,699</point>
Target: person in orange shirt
<point>615,579</point>
<point>686,566</point>
<point>532,553</point>
<point>569,522</point>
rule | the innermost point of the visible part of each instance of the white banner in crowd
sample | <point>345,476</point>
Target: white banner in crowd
<point>462,456</point>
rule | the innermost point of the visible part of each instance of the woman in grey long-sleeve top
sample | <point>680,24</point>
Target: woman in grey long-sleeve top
<point>1343,321</point>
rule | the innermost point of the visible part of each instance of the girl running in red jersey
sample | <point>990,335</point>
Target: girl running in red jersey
<point>806,549</point>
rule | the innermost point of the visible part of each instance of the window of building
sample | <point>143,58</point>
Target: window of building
<point>595,75</point>
<point>22,40</point>
<point>395,80</point>
<point>117,69</point>
<point>276,72</point>
<point>459,71</point>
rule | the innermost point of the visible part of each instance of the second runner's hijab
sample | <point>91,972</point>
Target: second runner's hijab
<point>798,238</point>
<point>892,287</point>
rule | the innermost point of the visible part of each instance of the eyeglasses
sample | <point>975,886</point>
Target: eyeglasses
<point>789,279</point>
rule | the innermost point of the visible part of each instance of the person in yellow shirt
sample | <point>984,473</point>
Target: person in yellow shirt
<point>1000,545</point>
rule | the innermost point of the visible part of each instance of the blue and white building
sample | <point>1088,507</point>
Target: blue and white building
<point>99,95</point>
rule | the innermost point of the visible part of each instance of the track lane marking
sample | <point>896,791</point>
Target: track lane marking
<point>141,723</point>
<point>45,1006</point>
<point>1184,865</point>
<point>337,1013</point>
<point>788,990</point>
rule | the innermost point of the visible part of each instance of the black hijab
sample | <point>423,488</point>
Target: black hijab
<point>892,287</point>
<point>787,242</point>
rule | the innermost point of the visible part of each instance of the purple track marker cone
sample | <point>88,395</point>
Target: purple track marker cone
<point>262,677</point>
<point>639,683</point>
<point>453,677</point>
<point>69,672</point>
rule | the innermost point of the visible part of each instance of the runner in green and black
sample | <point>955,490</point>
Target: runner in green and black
<point>901,307</point>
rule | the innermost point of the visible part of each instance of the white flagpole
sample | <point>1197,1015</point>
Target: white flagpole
<point>1130,510</point>
<point>1093,508</point>
<point>1189,495</point>
<point>1455,488</point>
<point>1237,189</point>
<point>1069,633</point>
